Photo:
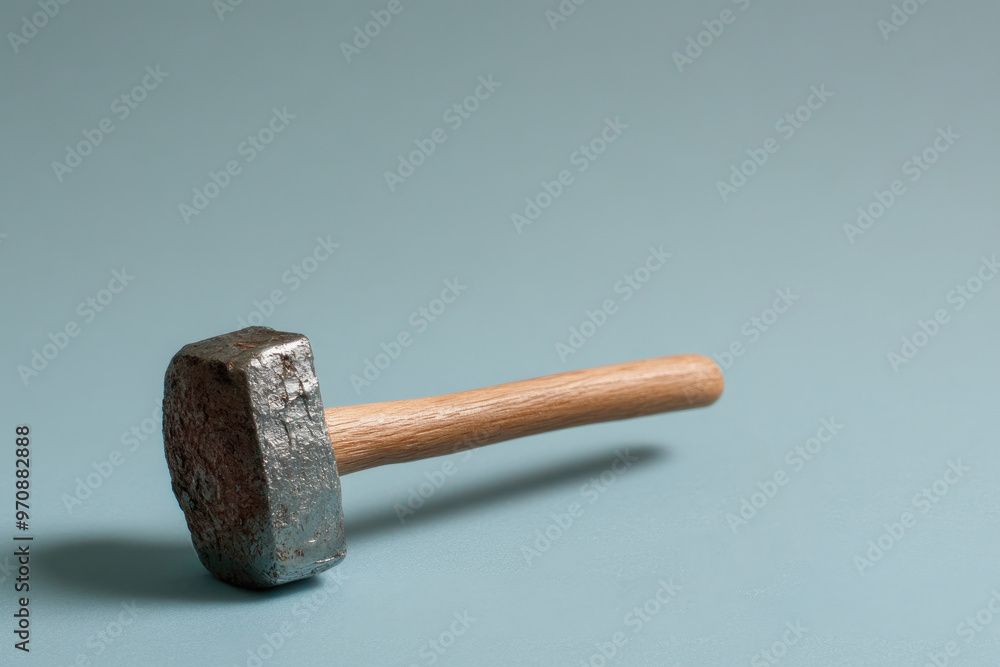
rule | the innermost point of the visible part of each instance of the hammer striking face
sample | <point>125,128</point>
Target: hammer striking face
<point>250,460</point>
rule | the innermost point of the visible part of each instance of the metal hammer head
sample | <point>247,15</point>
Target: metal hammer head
<point>250,460</point>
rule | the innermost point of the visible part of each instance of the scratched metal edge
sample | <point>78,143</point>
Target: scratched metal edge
<point>304,485</point>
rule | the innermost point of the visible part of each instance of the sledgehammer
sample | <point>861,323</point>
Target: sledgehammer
<point>255,461</point>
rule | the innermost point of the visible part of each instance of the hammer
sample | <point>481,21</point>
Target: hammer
<point>255,461</point>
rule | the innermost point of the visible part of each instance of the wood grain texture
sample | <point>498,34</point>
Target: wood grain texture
<point>366,436</point>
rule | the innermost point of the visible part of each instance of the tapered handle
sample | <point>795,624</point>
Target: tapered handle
<point>366,436</point>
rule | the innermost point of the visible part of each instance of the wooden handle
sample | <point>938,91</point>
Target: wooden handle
<point>366,436</point>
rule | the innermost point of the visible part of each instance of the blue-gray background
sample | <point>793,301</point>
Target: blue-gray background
<point>671,516</point>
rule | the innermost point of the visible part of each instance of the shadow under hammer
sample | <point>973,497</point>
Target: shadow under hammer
<point>119,567</point>
<point>517,485</point>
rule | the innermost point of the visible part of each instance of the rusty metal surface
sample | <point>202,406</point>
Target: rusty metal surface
<point>250,460</point>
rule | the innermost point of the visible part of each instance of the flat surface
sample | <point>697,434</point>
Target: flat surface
<point>114,580</point>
